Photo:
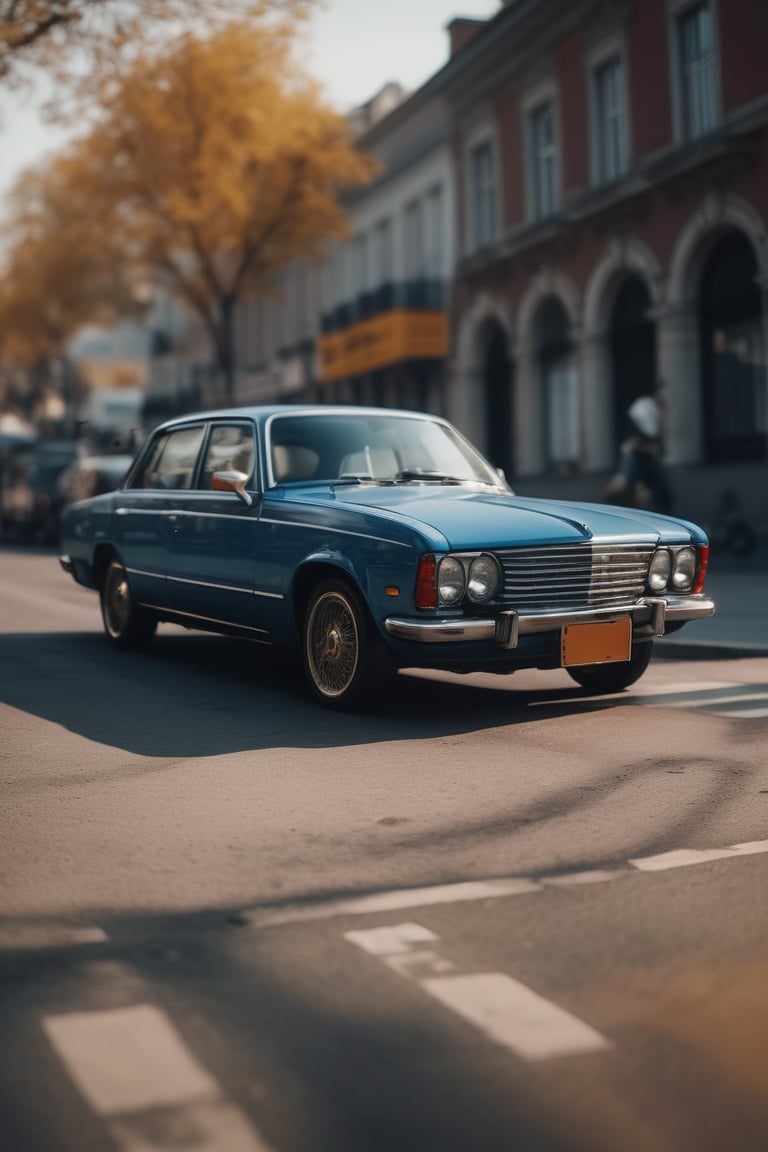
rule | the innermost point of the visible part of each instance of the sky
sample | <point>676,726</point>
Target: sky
<point>355,47</point>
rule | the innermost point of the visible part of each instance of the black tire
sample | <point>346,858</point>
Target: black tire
<point>127,624</point>
<point>602,679</point>
<point>345,662</point>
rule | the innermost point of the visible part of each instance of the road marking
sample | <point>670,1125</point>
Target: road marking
<point>483,889</point>
<point>714,697</point>
<point>392,901</point>
<point>577,879</point>
<point>508,1012</point>
<point>129,1060</point>
<point>682,686</point>
<point>516,1017</point>
<point>49,935</point>
<point>684,857</point>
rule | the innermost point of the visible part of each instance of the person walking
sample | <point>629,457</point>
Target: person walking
<point>642,465</point>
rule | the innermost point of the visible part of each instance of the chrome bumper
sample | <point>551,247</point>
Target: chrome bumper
<point>508,626</point>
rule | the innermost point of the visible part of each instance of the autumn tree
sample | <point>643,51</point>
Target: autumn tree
<point>215,162</point>
<point>49,33</point>
<point>57,271</point>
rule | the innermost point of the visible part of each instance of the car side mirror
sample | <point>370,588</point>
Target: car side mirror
<point>232,482</point>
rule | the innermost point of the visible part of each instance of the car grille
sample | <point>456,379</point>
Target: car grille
<point>564,576</point>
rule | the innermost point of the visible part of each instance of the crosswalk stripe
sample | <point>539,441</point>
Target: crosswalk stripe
<point>128,1061</point>
<point>508,1012</point>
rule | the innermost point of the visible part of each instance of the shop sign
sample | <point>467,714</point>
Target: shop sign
<point>383,340</point>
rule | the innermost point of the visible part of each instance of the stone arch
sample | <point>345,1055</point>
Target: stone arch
<point>483,347</point>
<point>548,282</point>
<point>715,214</point>
<point>623,257</point>
<point>681,363</point>
<point>530,407</point>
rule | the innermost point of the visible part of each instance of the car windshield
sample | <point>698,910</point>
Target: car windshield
<point>356,448</point>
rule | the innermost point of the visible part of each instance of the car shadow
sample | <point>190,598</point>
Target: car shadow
<point>195,695</point>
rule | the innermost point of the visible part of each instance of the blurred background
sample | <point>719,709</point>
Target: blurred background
<point>521,216</point>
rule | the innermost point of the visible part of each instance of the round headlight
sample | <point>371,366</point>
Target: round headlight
<point>684,570</point>
<point>483,578</point>
<point>450,580</point>
<point>659,570</point>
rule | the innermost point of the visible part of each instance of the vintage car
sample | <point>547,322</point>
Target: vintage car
<point>370,540</point>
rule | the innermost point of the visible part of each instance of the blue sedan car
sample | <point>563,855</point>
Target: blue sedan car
<point>370,540</point>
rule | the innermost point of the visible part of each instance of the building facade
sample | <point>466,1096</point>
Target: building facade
<point>612,180</point>
<point>572,211</point>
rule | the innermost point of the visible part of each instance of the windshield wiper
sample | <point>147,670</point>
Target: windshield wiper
<point>432,477</point>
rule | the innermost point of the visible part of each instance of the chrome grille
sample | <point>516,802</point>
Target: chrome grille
<point>564,576</point>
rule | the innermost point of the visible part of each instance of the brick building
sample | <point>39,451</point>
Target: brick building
<point>612,182</point>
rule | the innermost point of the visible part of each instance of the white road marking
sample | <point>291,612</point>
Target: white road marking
<point>508,1012</point>
<point>682,686</point>
<point>577,879</point>
<point>711,696</point>
<point>393,901</point>
<point>516,1017</point>
<point>128,1060</point>
<point>705,701</point>
<point>49,935</point>
<point>684,857</point>
<point>391,939</point>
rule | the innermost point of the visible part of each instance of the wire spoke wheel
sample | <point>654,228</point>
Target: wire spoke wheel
<point>332,643</point>
<point>117,600</point>
<point>126,623</point>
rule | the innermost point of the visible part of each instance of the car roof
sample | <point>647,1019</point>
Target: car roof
<point>262,412</point>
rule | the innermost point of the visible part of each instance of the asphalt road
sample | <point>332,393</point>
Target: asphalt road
<point>495,914</point>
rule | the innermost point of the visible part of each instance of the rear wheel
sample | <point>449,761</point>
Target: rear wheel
<point>602,679</point>
<point>344,660</point>
<point>127,624</point>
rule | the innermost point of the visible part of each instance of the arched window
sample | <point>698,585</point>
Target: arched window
<point>733,352</point>
<point>633,350</point>
<point>560,385</point>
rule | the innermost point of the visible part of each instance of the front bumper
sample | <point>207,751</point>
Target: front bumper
<point>649,617</point>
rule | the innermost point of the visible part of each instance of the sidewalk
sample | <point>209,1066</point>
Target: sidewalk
<point>739,627</point>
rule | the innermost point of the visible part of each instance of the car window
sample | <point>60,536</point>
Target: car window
<point>379,447</point>
<point>230,448</point>
<point>171,460</point>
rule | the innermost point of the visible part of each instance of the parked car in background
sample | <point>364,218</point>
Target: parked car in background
<point>371,539</point>
<point>30,500</point>
<point>91,476</point>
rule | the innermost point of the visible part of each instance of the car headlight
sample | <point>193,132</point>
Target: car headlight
<point>659,570</point>
<point>451,580</point>
<point>483,579</point>
<point>684,570</point>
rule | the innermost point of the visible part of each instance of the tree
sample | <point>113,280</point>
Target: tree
<point>48,33</point>
<point>57,271</point>
<point>215,162</point>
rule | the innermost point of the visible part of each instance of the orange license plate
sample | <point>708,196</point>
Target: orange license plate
<point>596,643</point>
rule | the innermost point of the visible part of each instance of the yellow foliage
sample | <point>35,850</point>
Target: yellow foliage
<point>224,159</point>
<point>57,271</point>
<point>213,161</point>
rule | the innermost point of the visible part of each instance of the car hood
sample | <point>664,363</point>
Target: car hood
<point>472,518</point>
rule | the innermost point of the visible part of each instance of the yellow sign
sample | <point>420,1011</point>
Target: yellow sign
<point>383,340</point>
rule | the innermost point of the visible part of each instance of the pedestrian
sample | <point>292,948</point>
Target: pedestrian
<point>642,465</point>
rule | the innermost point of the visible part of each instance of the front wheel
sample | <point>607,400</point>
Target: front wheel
<point>602,679</point>
<point>127,624</point>
<point>344,660</point>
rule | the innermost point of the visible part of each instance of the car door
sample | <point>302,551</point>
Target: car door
<point>146,510</point>
<point>213,533</point>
